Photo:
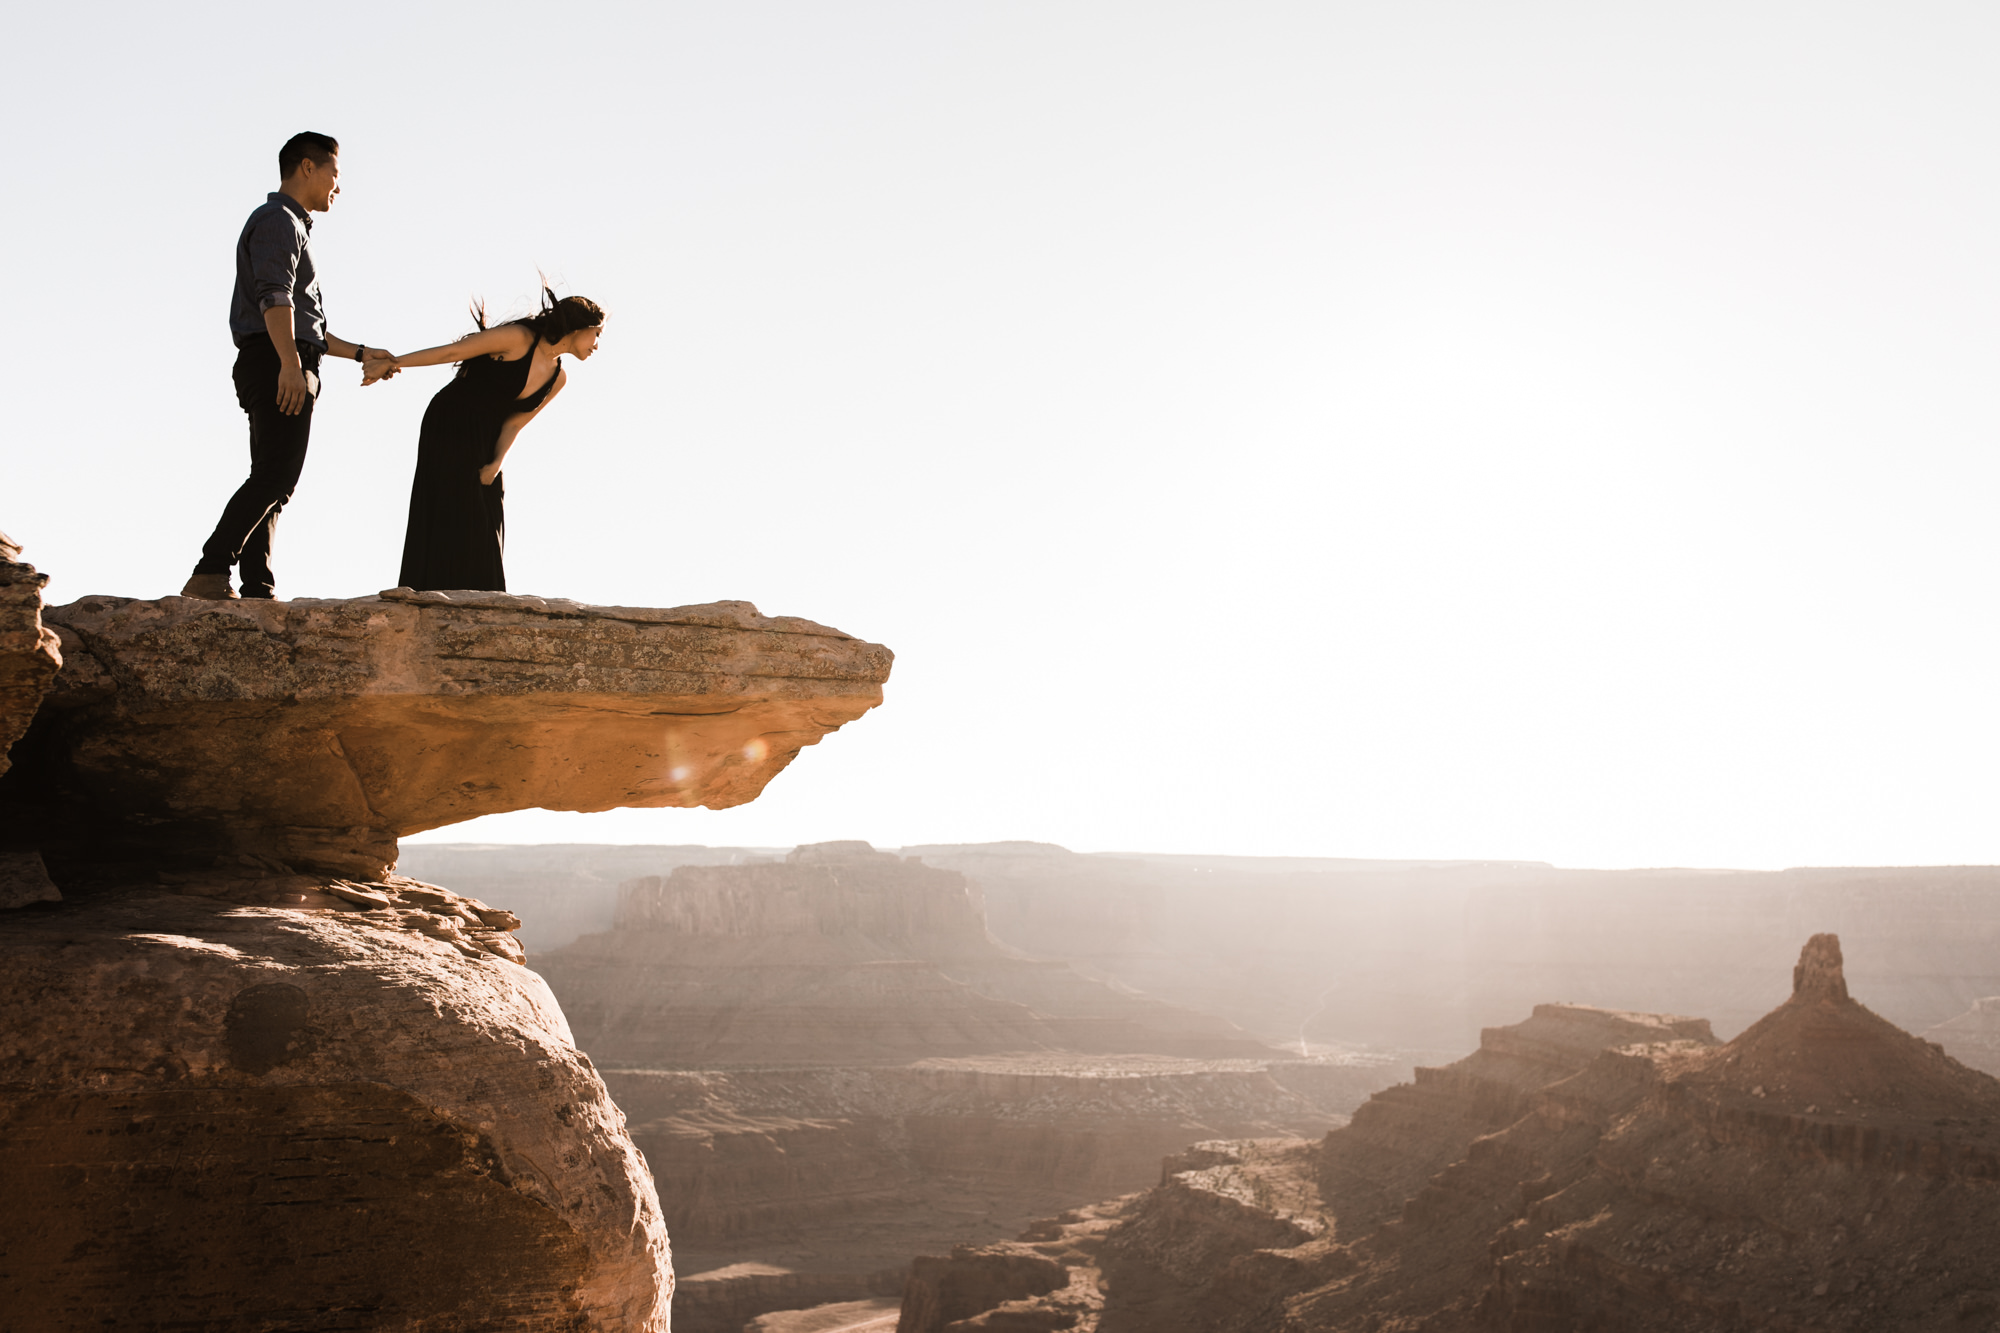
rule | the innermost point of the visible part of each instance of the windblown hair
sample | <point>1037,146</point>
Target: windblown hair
<point>556,320</point>
<point>306,144</point>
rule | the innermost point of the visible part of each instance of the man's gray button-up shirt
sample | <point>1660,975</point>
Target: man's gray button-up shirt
<point>274,266</point>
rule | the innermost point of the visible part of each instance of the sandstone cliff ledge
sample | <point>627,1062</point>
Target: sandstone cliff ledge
<point>315,733</point>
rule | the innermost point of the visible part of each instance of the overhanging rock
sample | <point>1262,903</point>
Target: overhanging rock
<point>316,733</point>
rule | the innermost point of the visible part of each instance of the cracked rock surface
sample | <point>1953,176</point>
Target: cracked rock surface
<point>316,733</point>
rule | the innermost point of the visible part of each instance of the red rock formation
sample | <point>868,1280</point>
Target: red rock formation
<point>973,1281</point>
<point>1823,1171</point>
<point>375,717</point>
<point>840,955</point>
<point>1406,1134</point>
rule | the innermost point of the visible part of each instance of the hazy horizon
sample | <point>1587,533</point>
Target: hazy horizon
<point>1553,432</point>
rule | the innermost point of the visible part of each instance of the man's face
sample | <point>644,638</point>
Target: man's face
<point>320,183</point>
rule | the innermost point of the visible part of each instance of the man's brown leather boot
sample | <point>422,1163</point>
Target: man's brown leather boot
<point>209,587</point>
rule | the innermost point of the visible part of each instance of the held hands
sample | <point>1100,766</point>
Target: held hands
<point>378,363</point>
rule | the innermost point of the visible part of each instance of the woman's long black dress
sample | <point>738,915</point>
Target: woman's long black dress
<point>457,526</point>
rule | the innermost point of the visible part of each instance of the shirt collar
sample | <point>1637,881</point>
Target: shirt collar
<point>297,209</point>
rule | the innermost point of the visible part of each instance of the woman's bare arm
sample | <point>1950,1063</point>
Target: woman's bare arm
<point>507,339</point>
<point>512,427</point>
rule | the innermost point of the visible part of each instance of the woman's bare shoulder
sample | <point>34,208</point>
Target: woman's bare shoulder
<point>513,341</point>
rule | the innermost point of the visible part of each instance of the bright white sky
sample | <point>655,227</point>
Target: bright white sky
<point>1560,431</point>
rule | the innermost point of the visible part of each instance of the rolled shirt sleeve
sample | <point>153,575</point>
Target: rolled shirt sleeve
<point>274,267</point>
<point>275,245</point>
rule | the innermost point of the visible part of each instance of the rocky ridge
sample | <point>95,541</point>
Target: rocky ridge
<point>1420,956</point>
<point>830,1064</point>
<point>1823,1171</point>
<point>1972,1038</point>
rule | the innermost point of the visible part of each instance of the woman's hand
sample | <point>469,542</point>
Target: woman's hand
<point>378,367</point>
<point>488,473</point>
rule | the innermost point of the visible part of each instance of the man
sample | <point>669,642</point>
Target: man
<point>279,322</point>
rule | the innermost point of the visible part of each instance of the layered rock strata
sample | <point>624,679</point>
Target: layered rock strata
<point>315,733</point>
<point>1406,1134</point>
<point>1420,956</point>
<point>840,955</point>
<point>1972,1038</point>
<point>1823,1171</point>
<point>822,1180</point>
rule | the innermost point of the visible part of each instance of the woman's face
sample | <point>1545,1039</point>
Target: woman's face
<point>583,342</point>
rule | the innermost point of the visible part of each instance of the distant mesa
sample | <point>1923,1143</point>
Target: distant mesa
<point>840,954</point>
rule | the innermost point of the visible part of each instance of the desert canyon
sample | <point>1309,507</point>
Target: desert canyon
<point>266,1065</point>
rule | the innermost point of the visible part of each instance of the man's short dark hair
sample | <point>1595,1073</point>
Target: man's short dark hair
<point>305,144</point>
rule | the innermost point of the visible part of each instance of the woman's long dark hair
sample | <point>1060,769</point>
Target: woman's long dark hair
<point>556,320</point>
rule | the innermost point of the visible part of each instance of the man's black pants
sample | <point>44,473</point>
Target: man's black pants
<point>249,522</point>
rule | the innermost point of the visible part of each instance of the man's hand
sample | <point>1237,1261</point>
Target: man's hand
<point>488,473</point>
<point>292,390</point>
<point>379,364</point>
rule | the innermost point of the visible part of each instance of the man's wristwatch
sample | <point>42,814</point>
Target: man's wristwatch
<point>359,348</point>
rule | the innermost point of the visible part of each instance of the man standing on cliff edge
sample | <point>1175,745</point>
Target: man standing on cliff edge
<point>279,322</point>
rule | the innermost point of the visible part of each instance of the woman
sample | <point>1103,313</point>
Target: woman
<point>506,376</point>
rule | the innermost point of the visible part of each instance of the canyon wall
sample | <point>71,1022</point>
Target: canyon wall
<point>1583,1171</point>
<point>561,890</point>
<point>831,1065</point>
<point>840,955</point>
<point>1420,956</point>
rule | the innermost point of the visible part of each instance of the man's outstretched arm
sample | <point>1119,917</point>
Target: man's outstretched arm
<point>370,372</point>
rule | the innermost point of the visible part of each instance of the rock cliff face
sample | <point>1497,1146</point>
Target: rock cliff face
<point>1406,1134</point>
<point>1823,1171</point>
<point>1973,1038</point>
<point>315,733</point>
<point>830,1065</point>
<point>29,655</point>
<point>840,955</point>
<point>1421,956</point>
<point>251,1080</point>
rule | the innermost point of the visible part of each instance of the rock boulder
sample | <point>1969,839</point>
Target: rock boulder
<point>234,1117</point>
